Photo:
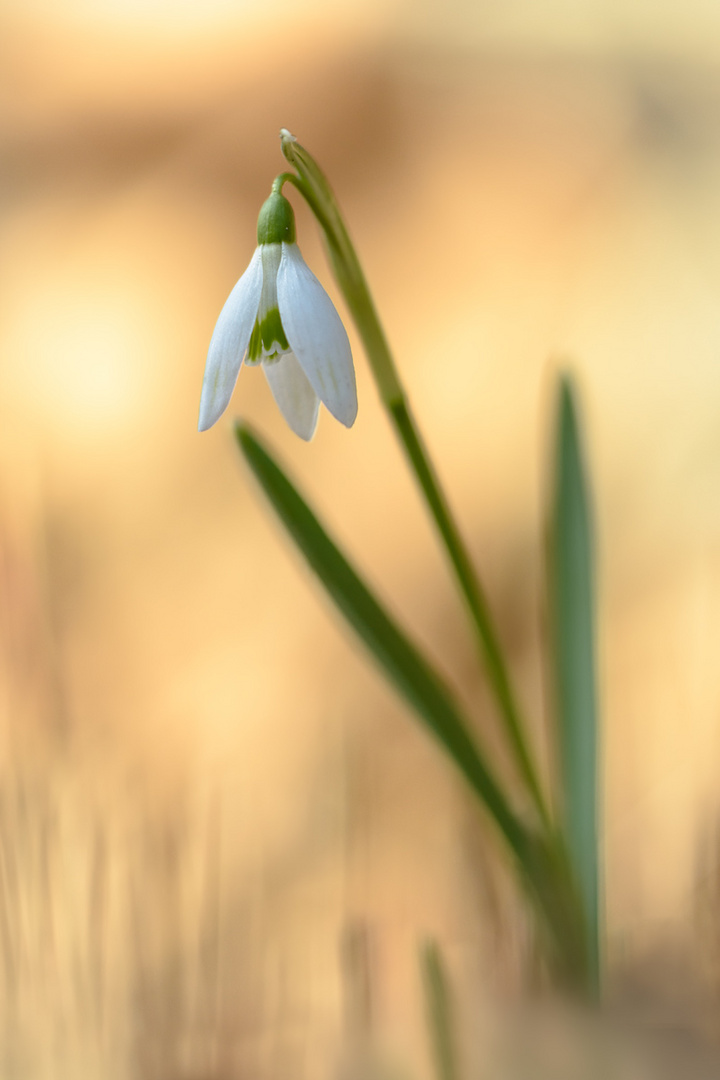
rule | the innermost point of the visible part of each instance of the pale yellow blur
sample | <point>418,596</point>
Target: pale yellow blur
<point>205,788</point>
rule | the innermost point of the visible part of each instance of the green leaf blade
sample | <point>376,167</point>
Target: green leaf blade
<point>400,659</point>
<point>572,606</point>
<point>439,1012</point>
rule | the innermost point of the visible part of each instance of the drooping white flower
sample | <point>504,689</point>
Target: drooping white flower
<point>278,315</point>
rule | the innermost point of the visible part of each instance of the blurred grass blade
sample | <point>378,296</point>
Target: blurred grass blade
<point>439,1012</point>
<point>571,595</point>
<point>401,661</point>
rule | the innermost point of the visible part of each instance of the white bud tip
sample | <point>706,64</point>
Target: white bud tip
<point>287,136</point>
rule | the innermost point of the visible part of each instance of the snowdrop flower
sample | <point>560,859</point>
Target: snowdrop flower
<point>278,315</point>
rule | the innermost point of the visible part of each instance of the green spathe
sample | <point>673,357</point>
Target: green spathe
<point>276,221</point>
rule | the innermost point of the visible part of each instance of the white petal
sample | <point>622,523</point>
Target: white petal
<point>294,395</point>
<point>316,335</point>
<point>229,343</point>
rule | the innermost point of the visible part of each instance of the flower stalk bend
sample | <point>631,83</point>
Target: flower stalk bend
<point>314,187</point>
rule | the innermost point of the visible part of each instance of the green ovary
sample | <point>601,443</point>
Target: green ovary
<point>267,341</point>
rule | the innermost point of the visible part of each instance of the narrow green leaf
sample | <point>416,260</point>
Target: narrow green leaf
<point>439,1013</point>
<point>572,610</point>
<point>400,659</point>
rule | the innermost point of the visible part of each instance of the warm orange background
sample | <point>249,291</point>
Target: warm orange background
<point>203,781</point>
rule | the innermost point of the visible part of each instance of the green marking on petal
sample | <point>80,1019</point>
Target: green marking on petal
<point>268,340</point>
<point>271,330</point>
<point>255,346</point>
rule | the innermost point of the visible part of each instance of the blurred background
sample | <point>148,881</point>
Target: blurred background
<point>221,837</point>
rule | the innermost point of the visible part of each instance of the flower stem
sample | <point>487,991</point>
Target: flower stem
<point>474,597</point>
<point>315,189</point>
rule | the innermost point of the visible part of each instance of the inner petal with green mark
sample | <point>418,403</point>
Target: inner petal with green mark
<point>268,340</point>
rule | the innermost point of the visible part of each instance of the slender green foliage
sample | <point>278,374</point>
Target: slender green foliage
<point>571,594</point>
<point>539,856</point>
<point>401,660</point>
<point>313,185</point>
<point>495,665</point>
<point>439,1013</point>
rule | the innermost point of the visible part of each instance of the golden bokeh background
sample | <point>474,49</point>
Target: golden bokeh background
<point>206,789</point>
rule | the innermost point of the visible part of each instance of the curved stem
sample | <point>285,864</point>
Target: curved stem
<point>283,178</point>
<point>313,186</point>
